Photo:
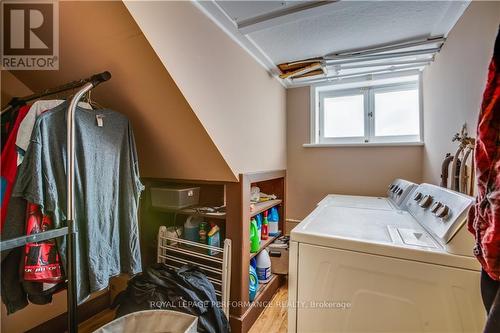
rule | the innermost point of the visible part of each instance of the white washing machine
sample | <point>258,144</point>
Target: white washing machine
<point>375,270</point>
<point>397,193</point>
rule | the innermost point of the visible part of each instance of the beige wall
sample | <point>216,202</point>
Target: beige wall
<point>241,106</point>
<point>171,140</point>
<point>315,172</point>
<point>11,87</point>
<point>454,83</point>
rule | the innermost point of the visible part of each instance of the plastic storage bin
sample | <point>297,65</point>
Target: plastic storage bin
<point>175,197</point>
<point>152,321</point>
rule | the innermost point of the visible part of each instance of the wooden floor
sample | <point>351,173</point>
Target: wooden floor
<point>93,323</point>
<point>274,317</point>
<point>272,320</point>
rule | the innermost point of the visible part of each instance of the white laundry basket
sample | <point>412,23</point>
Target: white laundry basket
<point>152,321</point>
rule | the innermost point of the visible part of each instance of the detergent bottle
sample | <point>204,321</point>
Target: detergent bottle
<point>253,283</point>
<point>274,222</point>
<point>253,262</point>
<point>254,237</point>
<point>213,239</point>
<point>258,218</point>
<point>191,228</point>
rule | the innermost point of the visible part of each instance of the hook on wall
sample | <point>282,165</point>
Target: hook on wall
<point>464,138</point>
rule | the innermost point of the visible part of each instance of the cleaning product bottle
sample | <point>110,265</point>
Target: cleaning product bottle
<point>213,239</point>
<point>265,227</point>
<point>202,232</point>
<point>274,222</point>
<point>253,283</point>
<point>191,230</point>
<point>258,218</point>
<point>254,237</point>
<point>253,262</point>
<point>263,267</point>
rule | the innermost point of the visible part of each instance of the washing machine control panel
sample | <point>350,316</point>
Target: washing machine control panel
<point>425,201</point>
<point>441,211</point>
<point>399,191</point>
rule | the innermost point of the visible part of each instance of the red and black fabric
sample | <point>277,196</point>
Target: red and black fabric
<point>484,217</point>
<point>8,119</point>
<point>42,262</point>
<point>7,123</point>
<point>8,167</point>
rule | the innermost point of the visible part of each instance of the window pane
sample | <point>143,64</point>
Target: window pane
<point>344,116</point>
<point>397,113</point>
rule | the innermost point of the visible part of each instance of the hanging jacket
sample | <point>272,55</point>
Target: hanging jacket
<point>484,216</point>
<point>8,167</point>
<point>185,290</point>
<point>16,278</point>
<point>8,119</point>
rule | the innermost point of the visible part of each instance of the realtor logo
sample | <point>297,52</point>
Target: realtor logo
<point>30,35</point>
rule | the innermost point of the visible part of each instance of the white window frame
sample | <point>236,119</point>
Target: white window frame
<point>368,92</point>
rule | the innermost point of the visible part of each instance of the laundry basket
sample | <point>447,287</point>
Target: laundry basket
<point>152,321</point>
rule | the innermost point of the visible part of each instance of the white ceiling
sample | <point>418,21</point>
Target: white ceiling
<point>283,31</point>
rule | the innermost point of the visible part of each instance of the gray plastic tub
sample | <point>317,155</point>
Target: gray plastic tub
<point>152,321</point>
<point>174,197</point>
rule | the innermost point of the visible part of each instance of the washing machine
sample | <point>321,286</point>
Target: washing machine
<point>397,194</point>
<point>373,270</point>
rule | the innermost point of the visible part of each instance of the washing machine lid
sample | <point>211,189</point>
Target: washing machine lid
<point>370,225</point>
<point>391,233</point>
<point>355,201</point>
<point>397,193</point>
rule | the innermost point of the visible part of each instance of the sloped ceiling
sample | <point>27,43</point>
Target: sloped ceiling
<point>241,106</point>
<point>277,32</point>
<point>345,25</point>
<point>171,141</point>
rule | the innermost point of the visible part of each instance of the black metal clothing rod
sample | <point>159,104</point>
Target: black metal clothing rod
<point>94,79</point>
<point>34,238</point>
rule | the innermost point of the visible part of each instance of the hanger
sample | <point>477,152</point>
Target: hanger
<point>92,103</point>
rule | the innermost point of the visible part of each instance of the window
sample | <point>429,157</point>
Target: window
<point>377,114</point>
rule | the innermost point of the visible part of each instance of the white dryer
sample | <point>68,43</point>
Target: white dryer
<point>374,270</point>
<point>397,193</point>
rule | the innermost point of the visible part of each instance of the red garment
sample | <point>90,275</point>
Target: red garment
<point>8,165</point>
<point>484,216</point>
<point>41,261</point>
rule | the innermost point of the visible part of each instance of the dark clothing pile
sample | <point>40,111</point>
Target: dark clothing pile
<point>185,290</point>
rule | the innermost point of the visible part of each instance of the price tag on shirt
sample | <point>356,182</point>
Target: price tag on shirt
<point>100,120</point>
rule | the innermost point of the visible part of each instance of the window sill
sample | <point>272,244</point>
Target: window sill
<point>369,144</point>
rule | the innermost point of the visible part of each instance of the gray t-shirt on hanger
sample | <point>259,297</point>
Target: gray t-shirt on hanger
<point>107,190</point>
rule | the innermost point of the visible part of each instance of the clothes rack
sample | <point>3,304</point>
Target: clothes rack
<point>70,230</point>
<point>101,77</point>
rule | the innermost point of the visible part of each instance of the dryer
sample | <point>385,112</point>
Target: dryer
<point>358,269</point>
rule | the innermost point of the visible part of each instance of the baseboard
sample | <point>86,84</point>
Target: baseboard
<point>290,224</point>
<point>85,311</point>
